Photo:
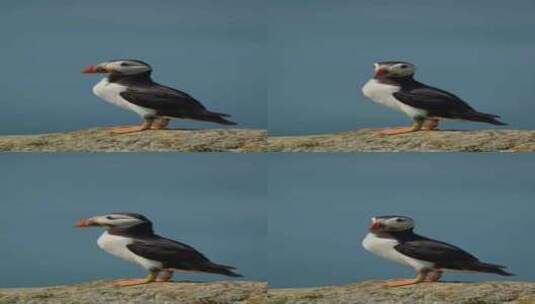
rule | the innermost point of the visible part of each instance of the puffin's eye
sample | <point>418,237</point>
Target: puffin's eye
<point>399,220</point>
<point>110,217</point>
<point>125,64</point>
<point>404,66</point>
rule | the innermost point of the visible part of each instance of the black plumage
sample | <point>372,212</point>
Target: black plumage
<point>176,255</point>
<point>439,103</point>
<point>442,254</point>
<point>436,102</point>
<point>172,254</point>
<point>168,102</point>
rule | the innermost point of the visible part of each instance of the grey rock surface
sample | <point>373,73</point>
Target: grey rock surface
<point>253,140</point>
<point>368,140</point>
<point>102,140</point>
<point>100,292</point>
<point>371,292</point>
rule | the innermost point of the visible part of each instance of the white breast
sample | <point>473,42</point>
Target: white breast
<point>384,247</point>
<point>382,94</point>
<point>116,245</point>
<point>110,92</point>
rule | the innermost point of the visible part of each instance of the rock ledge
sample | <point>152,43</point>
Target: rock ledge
<point>369,292</point>
<point>102,140</point>
<point>369,140</point>
<point>256,140</point>
<point>243,292</point>
<point>99,292</point>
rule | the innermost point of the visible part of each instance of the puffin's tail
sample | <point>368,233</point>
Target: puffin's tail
<point>216,117</point>
<point>483,117</point>
<point>491,268</point>
<point>221,269</point>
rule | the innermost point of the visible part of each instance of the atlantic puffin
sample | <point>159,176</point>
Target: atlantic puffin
<point>392,237</point>
<point>129,86</point>
<point>393,85</point>
<point>130,236</point>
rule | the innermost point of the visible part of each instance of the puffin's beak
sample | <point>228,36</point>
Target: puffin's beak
<point>85,223</point>
<point>375,225</point>
<point>91,69</point>
<point>379,72</point>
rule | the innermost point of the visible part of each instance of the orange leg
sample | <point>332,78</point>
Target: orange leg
<point>420,277</point>
<point>430,124</point>
<point>160,123</point>
<point>416,126</point>
<point>433,276</point>
<point>164,276</point>
<point>147,123</point>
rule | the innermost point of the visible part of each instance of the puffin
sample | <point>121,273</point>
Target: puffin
<point>129,85</point>
<point>393,85</point>
<point>392,237</point>
<point>130,236</point>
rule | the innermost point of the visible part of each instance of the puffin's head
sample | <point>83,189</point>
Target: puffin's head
<point>122,67</point>
<point>391,223</point>
<point>112,220</point>
<point>393,69</point>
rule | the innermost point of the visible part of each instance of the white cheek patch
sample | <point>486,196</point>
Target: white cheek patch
<point>131,69</point>
<point>134,69</point>
<point>114,221</point>
<point>398,70</point>
<point>121,222</point>
<point>128,69</point>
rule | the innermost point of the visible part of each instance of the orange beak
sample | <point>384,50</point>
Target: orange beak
<point>85,223</point>
<point>379,72</point>
<point>375,225</point>
<point>91,69</point>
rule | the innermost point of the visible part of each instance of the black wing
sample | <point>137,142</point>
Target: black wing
<point>442,254</point>
<point>167,101</point>
<point>173,254</point>
<point>435,101</point>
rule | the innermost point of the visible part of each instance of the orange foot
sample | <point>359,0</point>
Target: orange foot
<point>401,282</point>
<point>111,128</point>
<point>129,129</point>
<point>397,131</point>
<point>130,282</point>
